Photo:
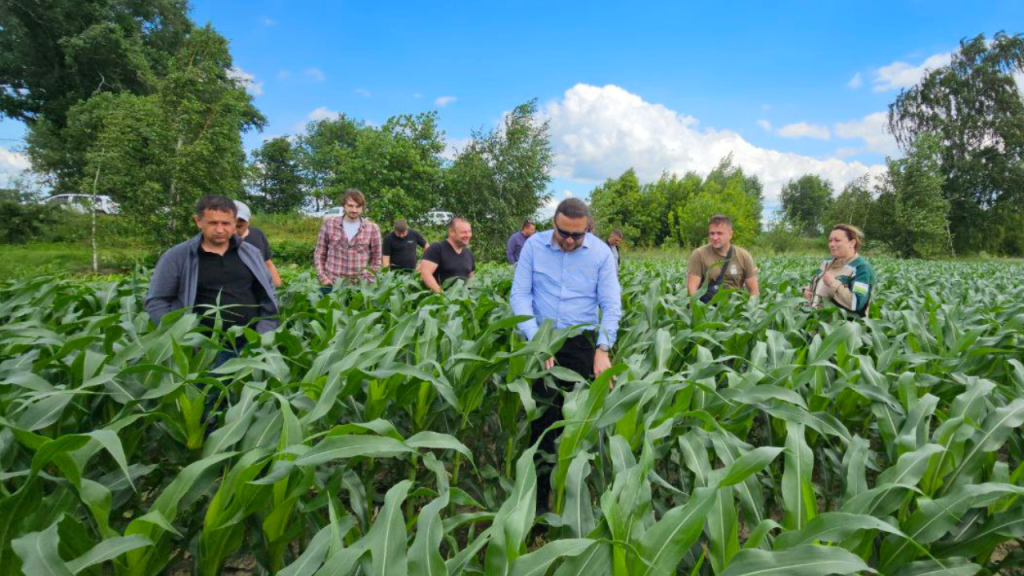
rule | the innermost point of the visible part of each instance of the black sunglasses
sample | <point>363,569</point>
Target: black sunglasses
<point>574,235</point>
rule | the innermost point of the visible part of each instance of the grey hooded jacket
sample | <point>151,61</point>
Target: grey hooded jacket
<point>176,276</point>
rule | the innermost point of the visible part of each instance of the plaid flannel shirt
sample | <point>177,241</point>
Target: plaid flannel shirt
<point>337,257</point>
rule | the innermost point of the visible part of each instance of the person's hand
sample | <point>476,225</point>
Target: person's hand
<point>549,363</point>
<point>808,294</point>
<point>602,362</point>
<point>828,278</point>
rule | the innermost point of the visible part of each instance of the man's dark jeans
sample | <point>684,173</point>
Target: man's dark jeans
<point>577,354</point>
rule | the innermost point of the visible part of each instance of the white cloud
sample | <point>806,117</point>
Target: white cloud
<point>804,130</point>
<point>856,81</point>
<point>316,74</point>
<point>903,75</point>
<point>453,146</point>
<point>363,92</point>
<point>417,95</point>
<point>11,165</point>
<point>766,107</point>
<point>247,80</point>
<point>600,132</point>
<point>445,100</point>
<point>321,113</point>
<point>284,74</point>
<point>847,152</point>
<point>765,124</point>
<point>872,130</point>
<point>268,21</point>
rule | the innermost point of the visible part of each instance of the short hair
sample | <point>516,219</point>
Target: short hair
<point>401,225</point>
<point>456,220</point>
<point>852,233</point>
<point>217,203</point>
<point>572,208</point>
<point>355,196</point>
<point>720,219</point>
<point>527,222</point>
<point>617,232</point>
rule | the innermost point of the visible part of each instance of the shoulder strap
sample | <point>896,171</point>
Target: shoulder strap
<point>721,273</point>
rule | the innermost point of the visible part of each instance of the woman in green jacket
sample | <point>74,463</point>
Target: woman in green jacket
<point>846,280</point>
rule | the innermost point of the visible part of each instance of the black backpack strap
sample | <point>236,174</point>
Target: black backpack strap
<point>721,273</point>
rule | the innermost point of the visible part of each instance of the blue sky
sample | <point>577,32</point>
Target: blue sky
<point>787,87</point>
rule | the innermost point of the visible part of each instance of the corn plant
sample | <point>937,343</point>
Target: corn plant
<point>385,429</point>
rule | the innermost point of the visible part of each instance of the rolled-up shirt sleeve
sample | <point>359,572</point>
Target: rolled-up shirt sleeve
<point>609,298</point>
<point>521,297</point>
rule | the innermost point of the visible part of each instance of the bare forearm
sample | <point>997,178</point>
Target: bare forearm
<point>274,276</point>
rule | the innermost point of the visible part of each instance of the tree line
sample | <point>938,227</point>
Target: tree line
<point>498,179</point>
<point>957,189</point>
<point>131,99</point>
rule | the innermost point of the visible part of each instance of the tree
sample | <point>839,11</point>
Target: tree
<point>275,183</point>
<point>974,108</point>
<point>852,206</point>
<point>910,215</point>
<point>398,165</point>
<point>320,150</point>
<point>805,201</point>
<point>158,154</point>
<point>56,54</point>
<point>615,204</point>
<point>500,178</point>
<point>726,171</point>
<point>690,221</point>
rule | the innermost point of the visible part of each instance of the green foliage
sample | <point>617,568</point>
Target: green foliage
<point>398,165</point>
<point>56,54</point>
<point>975,109</point>
<point>854,205</point>
<point>499,178</point>
<point>23,221</point>
<point>690,221</point>
<point>910,214</point>
<point>275,185</point>
<point>805,202</point>
<point>156,155</point>
<point>649,214</point>
<point>383,429</point>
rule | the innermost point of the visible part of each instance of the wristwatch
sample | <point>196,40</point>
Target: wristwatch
<point>603,347</point>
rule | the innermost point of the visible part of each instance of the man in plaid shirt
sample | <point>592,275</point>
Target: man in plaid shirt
<point>348,248</point>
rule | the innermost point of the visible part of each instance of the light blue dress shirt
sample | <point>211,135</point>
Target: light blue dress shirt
<point>567,287</point>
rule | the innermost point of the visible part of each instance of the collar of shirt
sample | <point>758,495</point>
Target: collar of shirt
<point>233,243</point>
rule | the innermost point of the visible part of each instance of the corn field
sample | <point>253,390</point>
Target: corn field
<point>384,430</point>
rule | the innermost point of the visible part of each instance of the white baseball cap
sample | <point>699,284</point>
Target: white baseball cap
<point>243,211</point>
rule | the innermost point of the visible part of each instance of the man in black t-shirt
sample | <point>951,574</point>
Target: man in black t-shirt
<point>451,258</point>
<point>256,237</point>
<point>398,248</point>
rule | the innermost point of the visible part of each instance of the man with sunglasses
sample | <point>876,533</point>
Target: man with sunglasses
<point>568,276</point>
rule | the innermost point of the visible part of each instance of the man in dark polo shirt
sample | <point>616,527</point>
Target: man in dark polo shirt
<point>451,258</point>
<point>215,268</point>
<point>399,247</point>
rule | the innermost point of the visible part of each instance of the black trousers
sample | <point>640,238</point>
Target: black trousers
<point>577,354</point>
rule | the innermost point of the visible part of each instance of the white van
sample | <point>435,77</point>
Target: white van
<point>81,203</point>
<point>438,217</point>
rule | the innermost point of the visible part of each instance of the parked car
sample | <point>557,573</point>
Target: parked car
<point>331,212</point>
<point>81,203</point>
<point>437,217</point>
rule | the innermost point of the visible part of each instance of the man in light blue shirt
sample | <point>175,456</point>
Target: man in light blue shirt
<point>570,277</point>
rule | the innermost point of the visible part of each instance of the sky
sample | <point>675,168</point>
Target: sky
<point>787,88</point>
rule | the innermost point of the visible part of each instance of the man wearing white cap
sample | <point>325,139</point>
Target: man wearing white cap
<point>256,237</point>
